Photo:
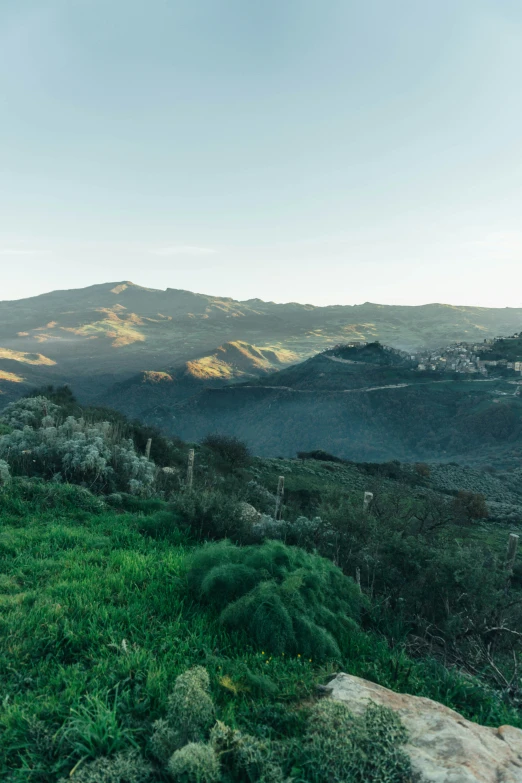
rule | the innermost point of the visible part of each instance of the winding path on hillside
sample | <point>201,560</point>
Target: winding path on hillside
<point>364,388</point>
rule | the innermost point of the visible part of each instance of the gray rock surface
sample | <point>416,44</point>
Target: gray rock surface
<point>443,746</point>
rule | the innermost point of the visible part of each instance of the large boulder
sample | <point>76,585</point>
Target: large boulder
<point>443,746</point>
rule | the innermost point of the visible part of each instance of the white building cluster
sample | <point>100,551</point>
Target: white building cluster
<point>466,358</point>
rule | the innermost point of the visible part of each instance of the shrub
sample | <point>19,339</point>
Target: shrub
<point>126,767</point>
<point>190,714</point>
<point>246,757</point>
<point>446,592</point>
<point>5,475</point>
<point>303,532</point>
<point>260,497</point>
<point>470,505</point>
<point>59,395</point>
<point>340,747</point>
<point>285,599</point>
<point>74,450</point>
<point>30,412</point>
<point>319,454</point>
<point>229,449</point>
<point>195,763</point>
<point>212,514</point>
<point>422,469</point>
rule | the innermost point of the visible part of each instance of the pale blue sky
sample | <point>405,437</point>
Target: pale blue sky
<point>324,151</point>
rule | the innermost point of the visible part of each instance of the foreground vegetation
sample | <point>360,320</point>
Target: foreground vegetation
<point>113,604</point>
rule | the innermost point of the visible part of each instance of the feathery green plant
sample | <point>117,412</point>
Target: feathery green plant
<point>286,600</point>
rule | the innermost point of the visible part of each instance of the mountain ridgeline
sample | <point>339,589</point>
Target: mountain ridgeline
<point>284,377</point>
<point>94,337</point>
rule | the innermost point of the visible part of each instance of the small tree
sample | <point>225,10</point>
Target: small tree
<point>422,469</point>
<point>229,449</point>
<point>470,505</point>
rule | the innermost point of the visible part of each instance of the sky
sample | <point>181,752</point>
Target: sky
<point>318,151</point>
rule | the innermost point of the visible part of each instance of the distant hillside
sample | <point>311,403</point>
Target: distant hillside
<point>97,336</point>
<point>151,394</point>
<point>373,406</point>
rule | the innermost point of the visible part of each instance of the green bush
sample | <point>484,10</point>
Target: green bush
<point>229,450</point>
<point>284,599</point>
<point>195,763</point>
<point>190,714</point>
<point>245,757</point>
<point>342,748</point>
<point>319,454</point>
<point>126,767</point>
<point>212,514</point>
<point>44,444</point>
<point>409,559</point>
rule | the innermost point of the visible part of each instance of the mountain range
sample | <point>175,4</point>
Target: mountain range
<point>276,375</point>
<point>94,337</point>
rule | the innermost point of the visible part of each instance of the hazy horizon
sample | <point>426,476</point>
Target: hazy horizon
<point>329,153</point>
<point>275,301</point>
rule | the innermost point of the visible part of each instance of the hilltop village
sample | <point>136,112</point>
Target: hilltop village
<point>479,358</point>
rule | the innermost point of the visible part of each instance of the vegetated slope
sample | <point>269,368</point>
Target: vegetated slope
<point>94,613</point>
<point>503,349</point>
<point>20,371</point>
<point>96,336</point>
<point>107,600</point>
<point>372,406</point>
<point>151,394</point>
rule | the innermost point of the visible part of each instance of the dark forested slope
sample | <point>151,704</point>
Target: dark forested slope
<point>372,406</point>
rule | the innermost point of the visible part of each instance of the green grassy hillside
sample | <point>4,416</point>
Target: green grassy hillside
<point>130,628</point>
<point>98,621</point>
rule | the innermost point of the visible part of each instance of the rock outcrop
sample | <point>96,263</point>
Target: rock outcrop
<point>443,746</point>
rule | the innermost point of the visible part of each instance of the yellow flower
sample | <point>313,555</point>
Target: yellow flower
<point>228,683</point>
<point>262,652</point>
<point>298,655</point>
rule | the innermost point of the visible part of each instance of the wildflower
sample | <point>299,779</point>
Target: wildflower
<point>298,655</point>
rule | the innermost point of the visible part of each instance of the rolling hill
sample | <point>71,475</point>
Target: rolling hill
<point>95,337</point>
<point>368,403</point>
<point>150,395</point>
